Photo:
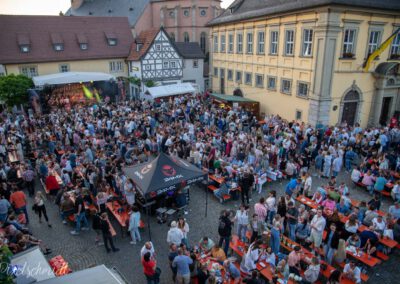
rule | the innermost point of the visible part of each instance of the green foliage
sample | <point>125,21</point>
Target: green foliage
<point>135,81</point>
<point>5,260</point>
<point>150,84</point>
<point>13,89</point>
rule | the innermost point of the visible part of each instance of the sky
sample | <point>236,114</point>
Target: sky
<point>46,7</point>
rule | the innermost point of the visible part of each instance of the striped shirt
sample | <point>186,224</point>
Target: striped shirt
<point>261,211</point>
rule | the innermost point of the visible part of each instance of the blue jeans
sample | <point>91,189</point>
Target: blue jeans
<point>23,210</point>
<point>135,235</point>
<point>274,242</point>
<point>292,232</point>
<point>79,218</point>
<point>271,215</point>
<point>348,165</point>
<point>226,245</point>
<point>3,217</point>
<point>329,253</point>
<point>241,231</point>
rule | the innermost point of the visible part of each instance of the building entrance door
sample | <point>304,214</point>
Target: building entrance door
<point>222,81</point>
<point>349,112</point>
<point>385,110</point>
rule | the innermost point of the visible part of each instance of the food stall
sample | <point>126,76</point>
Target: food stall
<point>228,101</point>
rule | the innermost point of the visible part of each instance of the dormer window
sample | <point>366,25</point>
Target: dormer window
<point>58,47</point>
<point>138,46</point>
<point>24,48</point>
<point>83,46</point>
<point>112,41</point>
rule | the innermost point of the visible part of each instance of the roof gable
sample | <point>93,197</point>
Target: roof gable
<point>141,44</point>
<point>42,32</point>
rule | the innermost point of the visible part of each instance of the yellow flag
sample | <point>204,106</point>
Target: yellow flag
<point>96,94</point>
<point>379,50</point>
<point>88,94</point>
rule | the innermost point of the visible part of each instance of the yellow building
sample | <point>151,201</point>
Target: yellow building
<point>303,59</point>
<point>42,45</point>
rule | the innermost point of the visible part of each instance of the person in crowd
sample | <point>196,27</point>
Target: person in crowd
<point>242,220</point>
<point>232,272</point>
<point>311,274</point>
<point>292,218</point>
<point>182,262</point>
<point>150,269</point>
<point>184,227</point>
<point>134,224</point>
<point>40,208</point>
<point>225,230</point>
<point>18,201</point>
<point>317,225</point>
<point>294,260</point>
<point>331,243</point>
<point>106,233</point>
<point>206,244</point>
<point>174,235</point>
<point>148,247</point>
<point>217,253</point>
<point>80,214</point>
<point>352,272</point>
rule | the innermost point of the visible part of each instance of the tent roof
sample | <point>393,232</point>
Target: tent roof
<point>164,173</point>
<point>70,77</point>
<point>230,98</point>
<point>171,90</point>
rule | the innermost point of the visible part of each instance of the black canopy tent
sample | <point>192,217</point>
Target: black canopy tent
<point>163,174</point>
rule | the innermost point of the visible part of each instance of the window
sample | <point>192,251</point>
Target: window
<point>239,47</point>
<point>64,68</point>
<point>249,43</point>
<point>173,64</point>
<point>186,37</point>
<point>247,78</point>
<point>165,64</point>
<point>116,66</point>
<point>348,43</point>
<point>302,89</point>
<point>289,42</point>
<point>373,41</point>
<point>203,41</point>
<point>58,47</point>
<point>30,71</point>
<point>286,86</point>
<point>222,73</point>
<point>298,114</point>
<point>186,12</point>
<point>172,14</point>
<point>261,43</point>
<point>307,42</point>
<point>172,36</point>
<point>148,67</point>
<point>83,46</point>
<point>259,80</point>
<point>158,47</point>
<point>395,49</point>
<point>112,41</point>
<point>271,84</point>
<point>238,77</point>
<point>215,43</point>
<point>230,75</point>
<point>195,63</point>
<point>24,48</point>
<point>203,12</point>
<point>273,49</point>
<point>230,43</point>
<point>222,43</point>
<point>215,72</point>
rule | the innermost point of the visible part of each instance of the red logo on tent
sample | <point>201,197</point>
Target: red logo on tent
<point>168,171</point>
<point>153,194</point>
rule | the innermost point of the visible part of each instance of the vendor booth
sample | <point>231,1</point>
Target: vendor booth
<point>162,177</point>
<point>169,91</point>
<point>228,101</point>
<point>65,90</point>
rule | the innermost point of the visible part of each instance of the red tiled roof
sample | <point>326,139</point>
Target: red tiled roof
<point>145,38</point>
<point>41,32</point>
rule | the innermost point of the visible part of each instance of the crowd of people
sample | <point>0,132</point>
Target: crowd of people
<point>78,156</point>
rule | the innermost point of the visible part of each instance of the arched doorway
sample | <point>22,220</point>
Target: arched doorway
<point>238,93</point>
<point>350,106</point>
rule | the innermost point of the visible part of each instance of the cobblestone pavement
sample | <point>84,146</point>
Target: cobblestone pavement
<point>81,252</point>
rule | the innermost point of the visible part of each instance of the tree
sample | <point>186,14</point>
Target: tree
<point>150,84</point>
<point>5,258</point>
<point>14,89</point>
<point>135,81</point>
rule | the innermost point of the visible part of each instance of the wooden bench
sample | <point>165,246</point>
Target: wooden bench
<point>212,187</point>
<point>384,192</point>
<point>382,256</point>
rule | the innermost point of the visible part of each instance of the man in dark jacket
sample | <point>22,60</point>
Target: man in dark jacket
<point>246,183</point>
<point>225,230</point>
<point>331,243</point>
<point>107,236</point>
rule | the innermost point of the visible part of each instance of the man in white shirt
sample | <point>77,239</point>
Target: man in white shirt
<point>352,272</point>
<point>148,247</point>
<point>318,223</point>
<point>355,175</point>
<point>175,235</point>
